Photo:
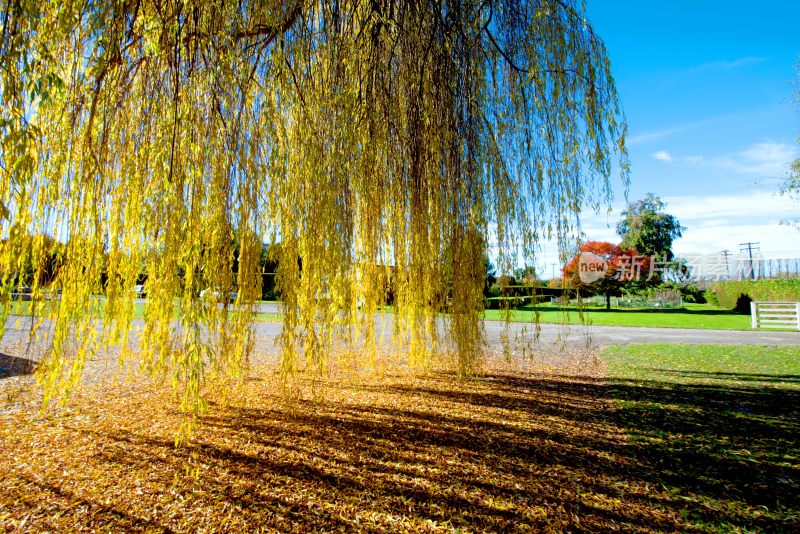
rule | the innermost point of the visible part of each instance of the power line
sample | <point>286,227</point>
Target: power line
<point>725,253</point>
<point>749,247</point>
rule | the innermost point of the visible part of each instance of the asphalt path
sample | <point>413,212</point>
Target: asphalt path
<point>553,346</point>
<point>545,337</point>
<point>600,336</point>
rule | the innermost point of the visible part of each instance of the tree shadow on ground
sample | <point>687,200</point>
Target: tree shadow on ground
<point>738,377</point>
<point>15,366</point>
<point>501,452</point>
<point>717,445</point>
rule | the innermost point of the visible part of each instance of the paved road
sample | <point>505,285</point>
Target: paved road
<point>549,334</point>
<point>557,345</point>
<point>600,336</point>
<point>624,335</point>
<point>15,340</point>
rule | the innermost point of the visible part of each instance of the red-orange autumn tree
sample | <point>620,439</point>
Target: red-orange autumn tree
<point>602,268</point>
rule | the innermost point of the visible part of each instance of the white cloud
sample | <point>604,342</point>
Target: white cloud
<point>718,222</point>
<point>768,159</point>
<point>654,135</point>
<point>638,137</point>
<point>761,159</point>
<point>725,64</point>
<point>775,240</point>
<point>713,223</point>
<point>663,155</point>
<point>710,68</point>
<point>749,206</point>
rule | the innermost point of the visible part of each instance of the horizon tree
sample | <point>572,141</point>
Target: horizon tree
<point>647,228</point>
<point>790,185</point>
<point>368,138</point>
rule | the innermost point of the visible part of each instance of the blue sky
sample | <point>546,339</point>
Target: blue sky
<point>708,88</point>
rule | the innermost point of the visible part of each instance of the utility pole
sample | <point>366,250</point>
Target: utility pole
<point>725,253</point>
<point>749,247</point>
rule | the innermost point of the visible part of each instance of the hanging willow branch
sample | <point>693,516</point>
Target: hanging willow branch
<point>382,144</point>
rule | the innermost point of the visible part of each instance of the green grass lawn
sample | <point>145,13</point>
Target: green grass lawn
<point>691,316</point>
<point>717,426</point>
<point>715,365</point>
<point>25,308</point>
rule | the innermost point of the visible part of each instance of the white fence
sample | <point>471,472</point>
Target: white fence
<point>784,315</point>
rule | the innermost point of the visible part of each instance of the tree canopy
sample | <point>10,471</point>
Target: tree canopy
<point>790,186</point>
<point>604,268</point>
<point>362,136</point>
<point>647,228</point>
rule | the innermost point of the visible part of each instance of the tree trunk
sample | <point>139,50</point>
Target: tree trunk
<point>608,301</point>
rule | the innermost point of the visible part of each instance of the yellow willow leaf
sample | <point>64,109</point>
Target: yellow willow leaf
<point>344,156</point>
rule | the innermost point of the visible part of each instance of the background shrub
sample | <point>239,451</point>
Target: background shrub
<point>734,295</point>
<point>711,297</point>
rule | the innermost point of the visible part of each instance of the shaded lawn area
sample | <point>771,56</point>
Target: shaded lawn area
<point>720,425</point>
<point>703,316</point>
<point>396,452</point>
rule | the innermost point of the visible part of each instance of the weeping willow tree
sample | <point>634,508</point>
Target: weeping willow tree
<point>370,138</point>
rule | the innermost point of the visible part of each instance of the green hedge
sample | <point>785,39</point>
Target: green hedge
<point>738,295</point>
<point>500,303</point>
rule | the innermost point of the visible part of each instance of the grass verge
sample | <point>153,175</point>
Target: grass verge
<point>26,309</point>
<point>703,316</point>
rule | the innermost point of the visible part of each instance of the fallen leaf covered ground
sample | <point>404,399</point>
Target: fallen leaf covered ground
<point>511,450</point>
